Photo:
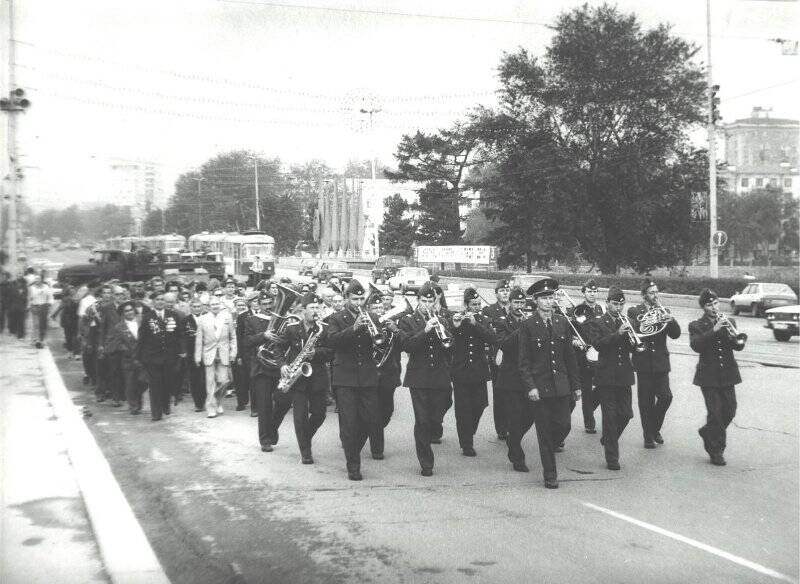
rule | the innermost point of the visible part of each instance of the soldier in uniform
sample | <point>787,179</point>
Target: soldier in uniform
<point>427,374</point>
<point>470,369</point>
<point>158,349</point>
<point>652,368</point>
<point>307,397</point>
<point>497,314</point>
<point>264,377</point>
<point>717,372</point>
<point>549,375</point>
<point>241,368</point>
<point>582,314</point>
<point>613,374</point>
<point>355,376</point>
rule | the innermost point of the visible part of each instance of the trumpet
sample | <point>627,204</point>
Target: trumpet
<point>730,327</point>
<point>372,329</point>
<point>634,339</point>
<point>441,331</point>
<point>459,316</point>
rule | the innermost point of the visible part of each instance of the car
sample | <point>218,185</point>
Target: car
<point>757,297</point>
<point>408,278</point>
<point>386,266</point>
<point>307,266</point>
<point>783,321</point>
<point>333,268</point>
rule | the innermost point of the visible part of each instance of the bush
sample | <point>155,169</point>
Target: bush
<point>725,287</point>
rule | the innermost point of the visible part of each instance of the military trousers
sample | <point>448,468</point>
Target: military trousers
<point>308,410</point>
<point>654,397</point>
<point>264,386</point>
<point>470,400</point>
<point>429,407</point>
<point>358,419</point>
<point>386,391</point>
<point>720,411</point>
<point>617,410</point>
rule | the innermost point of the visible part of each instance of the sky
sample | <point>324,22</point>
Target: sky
<point>177,82</point>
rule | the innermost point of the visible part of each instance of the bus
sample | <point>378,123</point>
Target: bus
<point>238,250</point>
<point>163,243</point>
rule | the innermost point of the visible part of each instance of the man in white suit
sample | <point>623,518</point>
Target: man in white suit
<point>215,348</point>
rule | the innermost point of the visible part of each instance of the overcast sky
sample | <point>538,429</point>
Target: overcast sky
<point>178,82</point>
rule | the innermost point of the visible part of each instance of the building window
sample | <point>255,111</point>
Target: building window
<point>787,183</point>
<point>759,182</point>
<point>773,182</point>
<point>745,182</point>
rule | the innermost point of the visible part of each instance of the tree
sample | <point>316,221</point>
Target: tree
<point>397,232</point>
<point>615,105</point>
<point>440,162</point>
<point>478,227</point>
<point>752,221</point>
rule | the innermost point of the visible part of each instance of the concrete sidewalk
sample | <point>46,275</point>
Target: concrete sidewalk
<point>64,518</point>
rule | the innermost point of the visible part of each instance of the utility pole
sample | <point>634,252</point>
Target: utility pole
<point>713,259</point>
<point>258,208</point>
<point>199,204</point>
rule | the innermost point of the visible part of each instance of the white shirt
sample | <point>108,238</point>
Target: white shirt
<point>160,314</point>
<point>133,326</point>
<point>40,295</point>
<point>85,303</point>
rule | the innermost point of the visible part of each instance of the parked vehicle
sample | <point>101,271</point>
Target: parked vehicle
<point>760,296</point>
<point>338,269</point>
<point>784,322</point>
<point>386,266</point>
<point>239,252</point>
<point>409,278</point>
<point>307,266</point>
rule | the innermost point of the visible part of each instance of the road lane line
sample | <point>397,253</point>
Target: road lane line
<point>694,543</point>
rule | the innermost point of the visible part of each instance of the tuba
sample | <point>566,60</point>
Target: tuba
<point>269,353</point>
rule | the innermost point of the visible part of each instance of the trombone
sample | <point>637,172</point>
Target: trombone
<point>372,329</point>
<point>591,352</point>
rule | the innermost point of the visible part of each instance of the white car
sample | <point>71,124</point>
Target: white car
<point>784,322</point>
<point>409,279</point>
<point>760,296</point>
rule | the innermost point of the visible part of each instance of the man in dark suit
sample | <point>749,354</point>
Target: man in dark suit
<point>652,365</point>
<point>241,367</point>
<point>121,345</point>
<point>355,375</point>
<point>197,373</point>
<point>582,315</point>
<point>470,369</point>
<point>158,349</point>
<point>307,396</point>
<point>427,374</point>
<point>717,372</point>
<point>613,374</point>
<point>264,377</point>
<point>497,313</point>
<point>549,375</point>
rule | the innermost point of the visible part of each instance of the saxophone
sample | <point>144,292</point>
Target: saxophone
<point>300,366</point>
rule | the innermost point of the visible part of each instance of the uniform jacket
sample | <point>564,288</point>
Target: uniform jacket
<point>389,372</point>
<point>614,365</point>
<point>353,365</point>
<point>507,334</point>
<point>546,359</point>
<point>717,366</point>
<point>655,357</point>
<point>583,329</point>
<point>107,318</point>
<point>296,337</point>
<point>428,361</point>
<point>470,354</point>
<point>122,343</point>
<point>240,320</point>
<point>254,327</point>
<point>213,343</point>
<point>497,316</point>
<point>159,340</point>
<point>188,330</point>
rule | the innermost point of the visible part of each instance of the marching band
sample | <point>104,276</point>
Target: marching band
<point>295,347</point>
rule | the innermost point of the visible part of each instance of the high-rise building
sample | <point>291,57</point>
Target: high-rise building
<point>762,151</point>
<point>136,185</point>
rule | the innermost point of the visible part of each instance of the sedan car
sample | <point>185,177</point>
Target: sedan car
<point>409,279</point>
<point>307,266</point>
<point>338,269</point>
<point>783,321</point>
<point>760,296</point>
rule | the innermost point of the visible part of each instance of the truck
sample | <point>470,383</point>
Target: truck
<point>108,264</point>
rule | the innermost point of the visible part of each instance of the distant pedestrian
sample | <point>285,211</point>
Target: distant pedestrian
<point>67,315</point>
<point>17,306</point>
<point>40,299</point>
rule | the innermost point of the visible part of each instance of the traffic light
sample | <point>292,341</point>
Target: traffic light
<point>16,101</point>
<point>715,115</point>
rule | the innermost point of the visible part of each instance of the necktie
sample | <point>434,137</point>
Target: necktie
<point>549,327</point>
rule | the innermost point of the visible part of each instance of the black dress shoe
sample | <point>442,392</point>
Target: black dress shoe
<point>134,412</point>
<point>86,380</point>
<point>377,455</point>
<point>115,404</point>
<point>469,451</point>
<point>590,430</point>
<point>307,458</point>
<point>266,448</point>
<point>558,448</point>
<point>274,438</point>
<point>436,440</point>
<point>602,441</point>
<point>551,483</point>
<point>198,409</point>
<point>613,466</point>
<point>718,460</point>
<point>521,467</point>
<point>354,475</point>
<point>253,414</point>
<point>158,419</point>
<point>167,411</point>
<point>658,438</point>
<point>241,408</point>
<point>649,444</point>
<point>426,472</point>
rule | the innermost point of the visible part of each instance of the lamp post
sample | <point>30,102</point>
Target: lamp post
<point>258,208</point>
<point>199,203</point>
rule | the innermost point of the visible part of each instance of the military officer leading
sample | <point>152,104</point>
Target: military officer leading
<point>652,366</point>
<point>717,372</point>
<point>549,374</point>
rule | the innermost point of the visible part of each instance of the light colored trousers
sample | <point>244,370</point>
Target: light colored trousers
<point>218,376</point>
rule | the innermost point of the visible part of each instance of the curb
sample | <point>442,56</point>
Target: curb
<point>127,555</point>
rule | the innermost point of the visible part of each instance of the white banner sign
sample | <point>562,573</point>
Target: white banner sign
<point>456,254</point>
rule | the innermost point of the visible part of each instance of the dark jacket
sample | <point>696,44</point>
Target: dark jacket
<point>254,328</point>
<point>188,329</point>
<point>353,365</point>
<point>428,364</point>
<point>240,322</point>
<point>583,330</point>
<point>470,354</point>
<point>123,344</point>
<point>717,366</point>
<point>389,372</point>
<point>496,316</point>
<point>507,334</point>
<point>107,318</point>
<point>546,359</point>
<point>655,357</point>
<point>296,337</point>
<point>159,340</point>
<point>614,365</point>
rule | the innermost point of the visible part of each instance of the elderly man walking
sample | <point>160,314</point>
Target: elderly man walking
<point>215,347</point>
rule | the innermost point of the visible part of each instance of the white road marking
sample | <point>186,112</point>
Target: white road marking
<point>694,543</point>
